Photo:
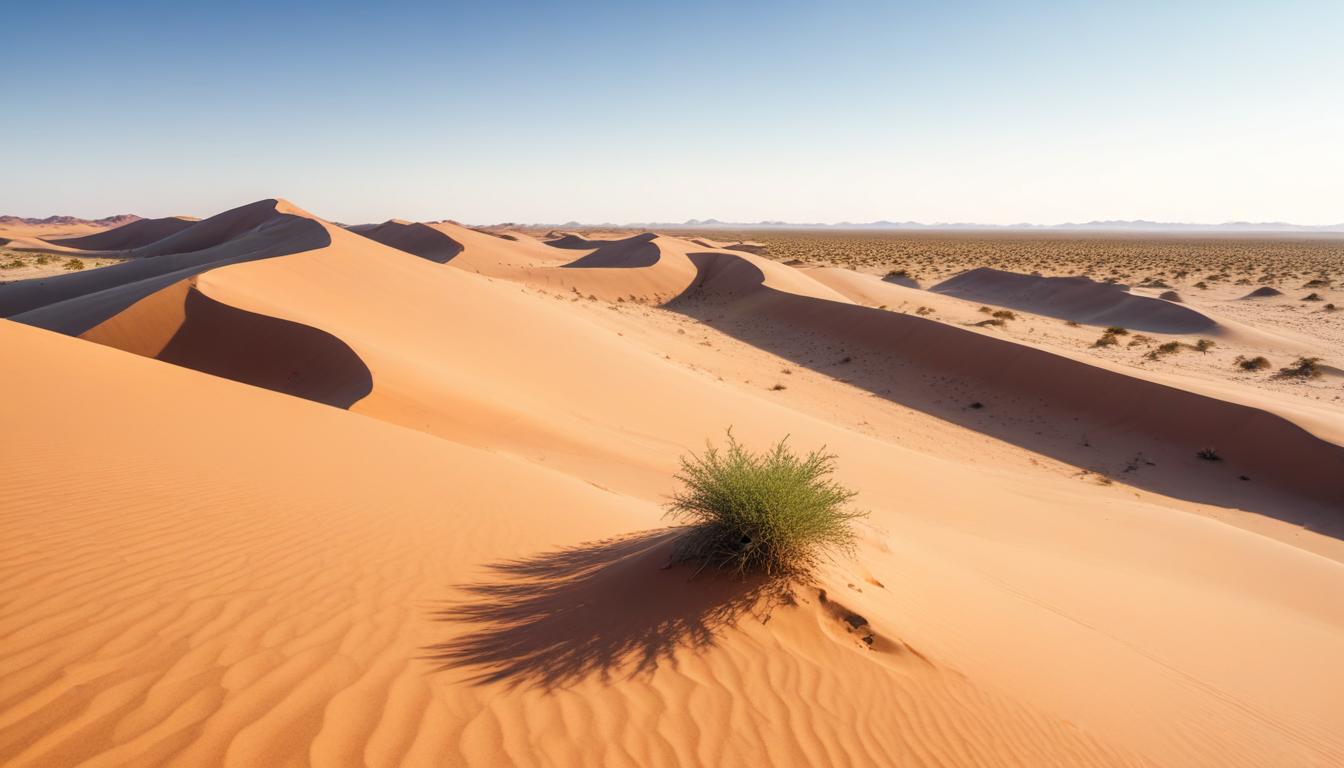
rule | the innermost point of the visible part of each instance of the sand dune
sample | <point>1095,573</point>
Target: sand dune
<point>75,302</point>
<point>420,239</point>
<point>467,565</point>
<point>1075,298</point>
<point>136,234</point>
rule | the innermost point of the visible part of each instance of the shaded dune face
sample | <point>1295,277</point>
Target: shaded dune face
<point>1075,298</point>
<point>267,352</point>
<point>134,235</point>
<point>183,326</point>
<point>414,238</point>
<point>1033,398</point>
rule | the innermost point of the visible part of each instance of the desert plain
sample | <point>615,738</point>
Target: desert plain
<point>280,491</point>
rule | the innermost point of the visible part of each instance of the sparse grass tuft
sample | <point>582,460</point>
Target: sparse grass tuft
<point>74,264</point>
<point>773,513</point>
<point>1208,454</point>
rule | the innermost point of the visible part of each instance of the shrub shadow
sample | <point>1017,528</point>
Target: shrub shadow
<point>611,608</point>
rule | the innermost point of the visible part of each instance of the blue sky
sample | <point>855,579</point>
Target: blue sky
<point>995,113</point>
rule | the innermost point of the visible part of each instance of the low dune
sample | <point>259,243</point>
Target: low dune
<point>1075,298</point>
<point>1263,292</point>
<point>136,234</point>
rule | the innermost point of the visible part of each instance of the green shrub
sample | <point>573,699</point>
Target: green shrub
<point>74,264</point>
<point>772,513</point>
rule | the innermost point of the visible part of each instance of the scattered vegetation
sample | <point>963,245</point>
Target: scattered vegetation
<point>1204,345</point>
<point>74,264</point>
<point>772,513</point>
<point>1257,363</point>
<point>1302,368</point>
<point>1107,339</point>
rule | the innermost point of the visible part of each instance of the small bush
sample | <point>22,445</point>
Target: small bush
<point>772,513</point>
<point>1302,368</point>
<point>14,263</point>
<point>1107,339</point>
<point>1116,330</point>
<point>1204,345</point>
<point>1252,363</point>
<point>74,264</point>
<point>1208,454</point>
<point>1313,297</point>
<point>1005,314</point>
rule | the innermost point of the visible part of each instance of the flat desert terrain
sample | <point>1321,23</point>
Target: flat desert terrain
<point>282,492</point>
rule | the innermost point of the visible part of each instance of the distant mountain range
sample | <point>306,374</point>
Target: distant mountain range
<point>109,221</point>
<point>1137,225</point>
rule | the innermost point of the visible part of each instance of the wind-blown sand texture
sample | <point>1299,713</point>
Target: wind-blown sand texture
<point>284,493</point>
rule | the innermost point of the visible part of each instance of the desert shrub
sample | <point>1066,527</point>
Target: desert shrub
<point>1208,454</point>
<point>1107,339</point>
<point>1204,345</point>
<point>1005,314</point>
<point>1257,363</point>
<point>1313,297</point>
<point>985,309</point>
<point>899,273</point>
<point>991,321</point>
<point>773,513</point>
<point>74,264</point>
<point>1302,368</point>
<point>14,263</point>
<point>1116,330</point>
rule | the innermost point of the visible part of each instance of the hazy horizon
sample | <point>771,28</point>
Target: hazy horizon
<point>972,113</point>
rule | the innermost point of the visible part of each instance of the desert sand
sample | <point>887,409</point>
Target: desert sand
<point>279,492</point>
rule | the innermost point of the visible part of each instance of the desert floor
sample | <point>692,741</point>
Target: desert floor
<point>281,492</point>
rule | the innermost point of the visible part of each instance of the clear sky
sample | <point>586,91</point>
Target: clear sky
<point>550,112</point>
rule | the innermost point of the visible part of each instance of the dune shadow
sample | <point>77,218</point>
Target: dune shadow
<point>609,608</point>
<point>268,352</point>
<point>1106,422</point>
